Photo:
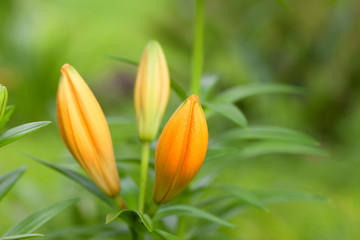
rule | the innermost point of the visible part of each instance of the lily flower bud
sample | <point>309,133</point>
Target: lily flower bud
<point>84,130</point>
<point>3,100</point>
<point>152,89</point>
<point>181,150</point>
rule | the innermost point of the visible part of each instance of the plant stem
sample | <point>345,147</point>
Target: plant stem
<point>120,202</point>
<point>136,235</point>
<point>143,174</point>
<point>181,227</point>
<point>181,231</point>
<point>153,209</point>
<point>198,48</point>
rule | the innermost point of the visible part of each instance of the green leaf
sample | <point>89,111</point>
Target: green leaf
<point>244,195</point>
<point>124,60</point>
<point>20,131</point>
<point>180,91</point>
<point>259,149</point>
<point>40,217</point>
<point>283,3</point>
<point>184,210</point>
<point>208,83</point>
<point>228,111</point>
<point>22,236</point>
<point>87,231</point>
<point>265,148</point>
<point>129,192</point>
<point>3,100</point>
<point>134,218</point>
<point>262,148</point>
<point>216,153</point>
<point>8,112</point>
<point>269,133</point>
<point>202,180</point>
<point>238,93</point>
<point>280,196</point>
<point>217,236</point>
<point>212,168</point>
<point>219,205</point>
<point>166,235</point>
<point>174,85</point>
<point>77,177</point>
<point>8,180</point>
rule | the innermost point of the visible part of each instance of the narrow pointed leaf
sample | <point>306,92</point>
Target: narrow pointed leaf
<point>178,90</point>
<point>280,148</point>
<point>20,131</point>
<point>260,149</point>
<point>202,181</point>
<point>208,83</point>
<point>166,235</point>
<point>77,177</point>
<point>279,196</point>
<point>124,60</point>
<point>238,93</point>
<point>184,210</point>
<point>22,236</point>
<point>228,111</point>
<point>87,231</point>
<point>134,218</point>
<point>264,148</point>
<point>174,85</point>
<point>220,153</point>
<point>244,195</point>
<point>37,219</point>
<point>214,167</point>
<point>269,133</point>
<point>283,3</point>
<point>217,236</point>
<point>9,179</point>
<point>8,112</point>
<point>130,192</point>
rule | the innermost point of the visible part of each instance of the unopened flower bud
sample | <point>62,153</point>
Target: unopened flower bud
<point>152,89</point>
<point>84,129</point>
<point>180,151</point>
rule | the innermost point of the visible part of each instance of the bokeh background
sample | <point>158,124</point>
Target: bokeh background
<point>314,45</point>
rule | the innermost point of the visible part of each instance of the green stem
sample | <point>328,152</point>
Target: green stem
<point>182,224</point>
<point>198,48</point>
<point>136,235</point>
<point>153,209</point>
<point>120,202</point>
<point>143,174</point>
<point>181,227</point>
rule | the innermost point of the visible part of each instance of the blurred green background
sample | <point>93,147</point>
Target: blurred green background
<point>310,44</point>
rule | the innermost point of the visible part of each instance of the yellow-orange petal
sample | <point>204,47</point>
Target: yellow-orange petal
<point>84,130</point>
<point>180,151</point>
<point>151,93</point>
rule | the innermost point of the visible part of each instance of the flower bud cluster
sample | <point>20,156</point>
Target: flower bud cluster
<point>182,145</point>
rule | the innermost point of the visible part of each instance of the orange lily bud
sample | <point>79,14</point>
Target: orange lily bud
<point>181,150</point>
<point>152,89</point>
<point>84,129</point>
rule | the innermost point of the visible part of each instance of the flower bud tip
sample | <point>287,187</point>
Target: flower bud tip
<point>64,68</point>
<point>194,98</point>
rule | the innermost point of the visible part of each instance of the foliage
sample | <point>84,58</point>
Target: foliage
<point>24,229</point>
<point>258,44</point>
<point>211,202</point>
